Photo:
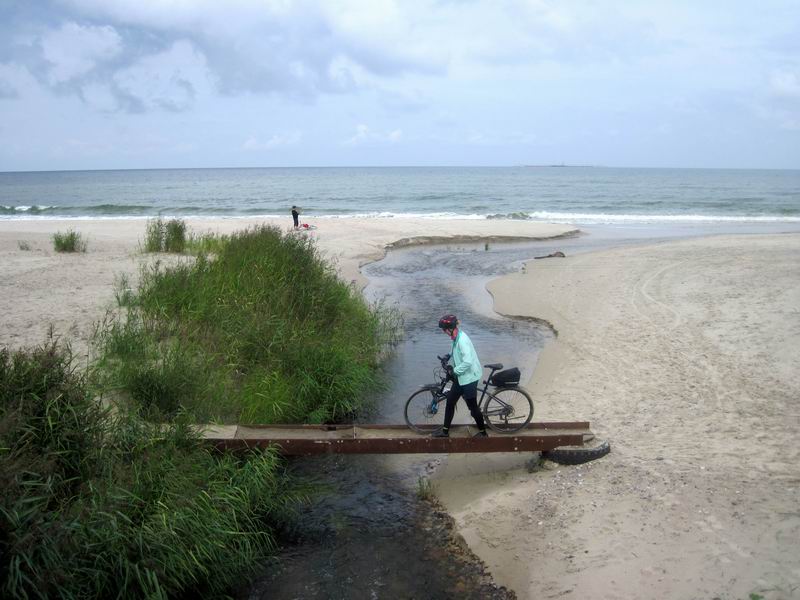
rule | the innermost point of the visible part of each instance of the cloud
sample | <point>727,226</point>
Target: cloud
<point>364,135</point>
<point>785,84</point>
<point>297,48</point>
<point>7,91</point>
<point>73,50</point>
<point>100,97</point>
<point>14,80</point>
<point>361,135</point>
<point>784,118</point>
<point>276,141</point>
<point>403,100</point>
<point>169,80</point>
<point>781,102</point>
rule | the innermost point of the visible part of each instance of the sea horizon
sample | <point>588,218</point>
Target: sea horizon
<point>568,194</point>
<point>508,166</point>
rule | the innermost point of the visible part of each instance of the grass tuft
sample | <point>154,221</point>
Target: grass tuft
<point>425,489</point>
<point>175,236</point>
<point>165,236</point>
<point>71,241</point>
<point>24,246</point>
<point>122,291</point>
<point>206,243</point>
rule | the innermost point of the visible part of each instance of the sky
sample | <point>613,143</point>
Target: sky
<point>125,84</point>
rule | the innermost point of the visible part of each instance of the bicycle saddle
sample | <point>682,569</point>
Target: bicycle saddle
<point>494,366</point>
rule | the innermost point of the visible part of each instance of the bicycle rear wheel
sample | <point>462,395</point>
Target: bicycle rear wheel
<point>508,409</point>
<point>424,411</point>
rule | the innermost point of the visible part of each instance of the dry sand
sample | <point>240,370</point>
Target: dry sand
<point>39,287</point>
<point>686,356</point>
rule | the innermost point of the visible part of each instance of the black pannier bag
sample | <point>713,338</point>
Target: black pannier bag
<point>506,377</point>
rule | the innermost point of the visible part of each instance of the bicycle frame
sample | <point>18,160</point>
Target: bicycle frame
<point>443,383</point>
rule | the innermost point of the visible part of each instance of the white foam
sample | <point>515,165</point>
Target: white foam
<point>625,218</point>
<point>539,216</point>
<point>392,215</point>
<point>598,218</point>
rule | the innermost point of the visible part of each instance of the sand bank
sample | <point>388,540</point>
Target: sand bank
<point>685,355</point>
<point>39,287</point>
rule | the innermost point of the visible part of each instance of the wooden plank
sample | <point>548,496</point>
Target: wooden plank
<point>303,440</point>
<point>343,426</point>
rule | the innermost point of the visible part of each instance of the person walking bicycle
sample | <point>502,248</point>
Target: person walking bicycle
<point>466,372</point>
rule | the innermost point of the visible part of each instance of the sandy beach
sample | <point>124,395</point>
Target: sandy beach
<point>684,355</point>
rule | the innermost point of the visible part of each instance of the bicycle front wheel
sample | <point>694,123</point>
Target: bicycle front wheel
<point>508,409</point>
<point>424,411</point>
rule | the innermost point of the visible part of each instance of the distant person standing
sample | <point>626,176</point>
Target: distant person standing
<point>296,216</point>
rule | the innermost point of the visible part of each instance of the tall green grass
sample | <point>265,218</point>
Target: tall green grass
<point>205,243</point>
<point>263,330</point>
<point>69,241</point>
<point>165,236</point>
<point>97,504</point>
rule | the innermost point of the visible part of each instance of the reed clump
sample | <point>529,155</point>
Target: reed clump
<point>69,241</point>
<point>262,330</point>
<point>425,489</point>
<point>98,504</point>
<point>165,236</point>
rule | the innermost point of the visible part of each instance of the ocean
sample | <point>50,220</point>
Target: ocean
<point>580,195</point>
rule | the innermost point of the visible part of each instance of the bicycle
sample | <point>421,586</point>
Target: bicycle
<point>507,408</point>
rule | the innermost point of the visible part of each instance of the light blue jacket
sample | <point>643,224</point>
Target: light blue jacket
<point>465,360</point>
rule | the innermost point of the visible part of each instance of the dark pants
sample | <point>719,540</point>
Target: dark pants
<point>296,219</point>
<point>470,394</point>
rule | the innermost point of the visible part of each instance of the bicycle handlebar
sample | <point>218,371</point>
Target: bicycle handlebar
<point>450,374</point>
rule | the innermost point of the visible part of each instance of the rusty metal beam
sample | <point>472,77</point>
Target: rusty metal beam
<point>303,440</point>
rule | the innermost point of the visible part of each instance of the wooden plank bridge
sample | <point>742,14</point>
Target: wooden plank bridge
<point>303,440</point>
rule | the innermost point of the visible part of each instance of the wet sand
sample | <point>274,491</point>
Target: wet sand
<point>685,356</point>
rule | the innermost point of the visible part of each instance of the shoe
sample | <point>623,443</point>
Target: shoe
<point>441,434</point>
<point>481,434</point>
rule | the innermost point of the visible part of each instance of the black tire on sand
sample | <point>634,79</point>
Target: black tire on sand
<point>575,455</point>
